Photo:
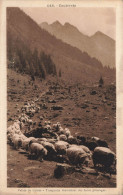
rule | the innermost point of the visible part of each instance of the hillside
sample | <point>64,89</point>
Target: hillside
<point>74,65</point>
<point>83,113</point>
<point>99,45</point>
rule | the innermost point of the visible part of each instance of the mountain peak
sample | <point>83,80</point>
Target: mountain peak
<point>99,33</point>
<point>44,23</point>
<point>67,24</point>
<point>56,23</point>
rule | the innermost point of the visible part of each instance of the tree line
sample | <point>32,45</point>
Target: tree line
<point>22,59</point>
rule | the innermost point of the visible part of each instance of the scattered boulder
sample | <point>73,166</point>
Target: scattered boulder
<point>62,169</point>
<point>57,107</point>
<point>93,92</point>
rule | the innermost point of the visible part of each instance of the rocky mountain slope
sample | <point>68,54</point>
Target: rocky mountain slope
<point>99,45</point>
<point>74,64</point>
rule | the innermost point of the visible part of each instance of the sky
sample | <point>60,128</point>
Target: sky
<point>87,20</point>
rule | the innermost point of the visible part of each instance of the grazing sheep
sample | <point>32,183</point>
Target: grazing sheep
<point>103,156</point>
<point>30,122</point>
<point>18,132</point>
<point>86,149</point>
<point>102,143</point>
<point>52,140</point>
<point>72,140</point>
<point>81,139</point>
<point>23,137</point>
<point>77,156</point>
<point>9,129</point>
<point>63,137</point>
<point>37,109</point>
<point>48,122</point>
<point>45,123</point>
<point>41,118</point>
<point>17,142</point>
<point>67,132</point>
<point>95,138</point>
<point>47,127</point>
<point>61,147</point>
<point>91,145</point>
<point>51,152</point>
<point>42,139</point>
<point>16,125</point>
<point>25,142</point>
<point>21,125</point>
<point>38,150</point>
<point>57,126</point>
<point>10,137</point>
<point>61,130</point>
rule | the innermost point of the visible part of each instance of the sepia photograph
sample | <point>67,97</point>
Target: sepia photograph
<point>61,92</point>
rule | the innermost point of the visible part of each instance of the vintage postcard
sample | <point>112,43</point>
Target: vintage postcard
<point>61,97</point>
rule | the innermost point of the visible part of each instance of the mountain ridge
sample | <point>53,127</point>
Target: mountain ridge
<point>94,45</point>
<point>74,64</point>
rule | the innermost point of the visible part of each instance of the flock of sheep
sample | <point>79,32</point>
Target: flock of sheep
<point>78,151</point>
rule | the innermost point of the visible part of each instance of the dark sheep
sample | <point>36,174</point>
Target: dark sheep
<point>105,157</point>
<point>81,139</point>
<point>102,143</point>
<point>91,145</point>
<point>72,140</point>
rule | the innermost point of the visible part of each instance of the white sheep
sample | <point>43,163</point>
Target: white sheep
<point>25,142</point>
<point>23,137</point>
<point>95,138</point>
<point>41,118</point>
<point>29,121</point>
<point>10,129</point>
<point>77,156</point>
<point>57,126</point>
<point>47,127</point>
<point>61,147</point>
<point>62,137</point>
<point>16,124</point>
<point>17,141</point>
<point>52,140</point>
<point>9,137</point>
<point>61,130</point>
<point>18,132</point>
<point>21,125</point>
<point>50,149</point>
<point>42,139</point>
<point>37,109</point>
<point>38,150</point>
<point>67,132</point>
<point>47,123</point>
<point>86,149</point>
<point>72,140</point>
